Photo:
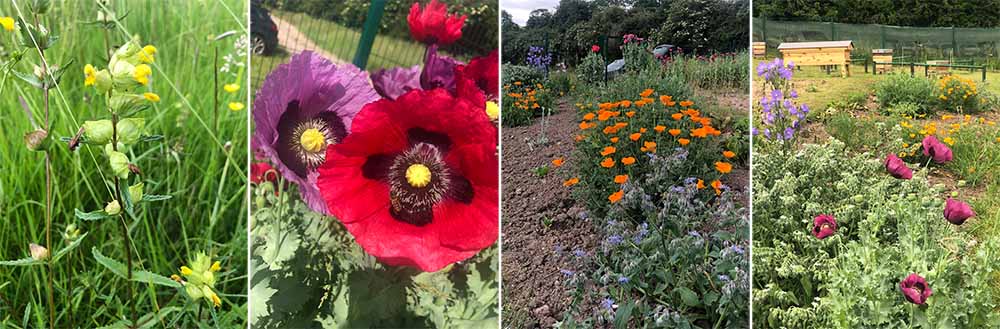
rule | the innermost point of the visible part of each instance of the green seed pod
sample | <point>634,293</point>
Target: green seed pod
<point>119,164</point>
<point>135,192</point>
<point>113,208</point>
<point>129,130</point>
<point>37,140</point>
<point>98,132</point>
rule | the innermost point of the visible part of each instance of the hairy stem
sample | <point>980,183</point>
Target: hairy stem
<point>121,217</point>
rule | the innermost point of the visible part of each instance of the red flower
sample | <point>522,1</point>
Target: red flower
<point>416,181</point>
<point>433,25</point>
<point>262,172</point>
<point>595,48</point>
<point>824,226</point>
<point>915,289</point>
<point>482,73</point>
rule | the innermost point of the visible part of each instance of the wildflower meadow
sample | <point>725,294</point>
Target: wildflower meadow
<point>125,203</point>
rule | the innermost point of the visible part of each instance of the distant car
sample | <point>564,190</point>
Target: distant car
<point>662,50</point>
<point>263,31</point>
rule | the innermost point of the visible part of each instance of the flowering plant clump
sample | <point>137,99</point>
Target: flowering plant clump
<point>780,116</point>
<point>591,68</point>
<point>963,144</point>
<point>892,244</point>
<point>522,102</point>
<point>539,58</point>
<point>958,94</point>
<point>405,162</point>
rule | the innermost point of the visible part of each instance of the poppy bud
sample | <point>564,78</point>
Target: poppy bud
<point>915,289</point>
<point>38,252</point>
<point>957,212</point>
<point>897,168</point>
<point>824,226</point>
<point>113,208</point>
<point>97,132</point>
<point>37,140</point>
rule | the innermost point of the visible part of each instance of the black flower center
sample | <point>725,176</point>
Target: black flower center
<point>303,139</point>
<point>418,177</point>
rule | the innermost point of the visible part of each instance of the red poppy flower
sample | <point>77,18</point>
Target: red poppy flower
<point>595,48</point>
<point>824,226</point>
<point>416,180</point>
<point>433,25</point>
<point>482,73</point>
<point>915,289</point>
<point>262,172</point>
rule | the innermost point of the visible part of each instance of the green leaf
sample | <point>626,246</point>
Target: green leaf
<point>155,197</point>
<point>91,216</point>
<point>260,294</point>
<point>21,262</point>
<point>65,250</point>
<point>690,298</point>
<point>28,78</point>
<point>114,266</point>
<point>623,314</point>
<point>150,277</point>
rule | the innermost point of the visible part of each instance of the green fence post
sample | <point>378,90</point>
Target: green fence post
<point>881,30</point>
<point>954,44</point>
<point>368,33</point>
<point>984,72</point>
<point>604,55</point>
<point>833,31</point>
<point>763,32</point>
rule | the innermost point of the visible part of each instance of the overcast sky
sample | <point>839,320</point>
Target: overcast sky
<point>521,9</point>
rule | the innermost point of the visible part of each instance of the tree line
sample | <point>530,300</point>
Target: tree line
<point>922,13</point>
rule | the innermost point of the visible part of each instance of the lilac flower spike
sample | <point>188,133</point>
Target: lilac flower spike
<point>303,107</point>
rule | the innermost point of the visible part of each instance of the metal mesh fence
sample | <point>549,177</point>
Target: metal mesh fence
<point>338,38</point>
<point>914,43</point>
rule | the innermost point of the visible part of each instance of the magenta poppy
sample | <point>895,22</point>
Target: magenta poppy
<point>439,71</point>
<point>391,83</point>
<point>595,48</point>
<point>897,168</point>
<point>915,289</point>
<point>433,25</point>
<point>303,107</point>
<point>957,212</point>
<point>416,181</point>
<point>824,226</point>
<point>936,150</point>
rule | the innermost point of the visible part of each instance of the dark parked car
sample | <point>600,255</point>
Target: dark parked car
<point>263,31</point>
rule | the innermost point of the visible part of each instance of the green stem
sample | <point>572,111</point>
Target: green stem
<point>127,242</point>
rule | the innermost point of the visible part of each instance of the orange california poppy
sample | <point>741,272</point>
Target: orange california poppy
<point>630,114</point>
<point>646,93</point>
<point>686,103</point>
<point>589,116</point>
<point>557,162</point>
<point>701,184</point>
<point>684,141</point>
<point>648,146</point>
<point>579,138</point>
<point>614,139</point>
<point>728,154</point>
<point>608,150</point>
<point>584,125</point>
<point>675,132</point>
<point>643,130</point>
<point>571,182</point>
<point>605,115</point>
<point>664,99</point>
<point>614,197</point>
<point>717,185</point>
<point>620,179</point>
<point>659,129</point>
<point>677,116</point>
<point>628,161</point>
<point>610,130</point>
<point>608,163</point>
<point>723,167</point>
<point>700,133</point>
<point>634,136</point>
<point>625,103</point>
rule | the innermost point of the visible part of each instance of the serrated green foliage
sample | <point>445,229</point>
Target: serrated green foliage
<point>887,229</point>
<point>307,272</point>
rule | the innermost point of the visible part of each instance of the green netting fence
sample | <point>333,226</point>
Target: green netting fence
<point>340,37</point>
<point>976,46</point>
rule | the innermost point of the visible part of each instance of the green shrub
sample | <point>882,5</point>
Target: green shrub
<point>591,70</point>
<point>862,134</point>
<point>886,229</point>
<point>560,82</point>
<point>902,109</point>
<point>715,71</point>
<point>958,94</point>
<point>902,88</point>
<point>520,73</point>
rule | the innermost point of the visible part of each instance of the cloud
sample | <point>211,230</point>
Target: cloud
<point>521,9</point>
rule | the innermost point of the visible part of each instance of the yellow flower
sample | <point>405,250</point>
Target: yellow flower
<point>235,106</point>
<point>492,110</point>
<point>146,54</point>
<point>216,266</point>
<point>90,75</point>
<point>949,141</point>
<point>142,72</point>
<point>186,270</point>
<point>231,87</point>
<point>151,97</point>
<point>7,22</point>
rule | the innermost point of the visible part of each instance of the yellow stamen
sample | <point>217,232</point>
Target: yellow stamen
<point>492,110</point>
<point>312,140</point>
<point>418,175</point>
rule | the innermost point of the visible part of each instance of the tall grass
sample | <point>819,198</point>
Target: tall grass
<point>201,166</point>
<point>730,70</point>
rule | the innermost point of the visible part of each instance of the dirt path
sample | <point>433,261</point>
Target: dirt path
<point>294,41</point>
<point>534,288</point>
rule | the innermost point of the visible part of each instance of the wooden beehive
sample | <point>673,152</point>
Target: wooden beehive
<point>882,56</point>
<point>759,49</point>
<point>819,53</point>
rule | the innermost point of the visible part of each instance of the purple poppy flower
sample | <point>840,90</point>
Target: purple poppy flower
<point>936,150</point>
<point>957,212</point>
<point>439,71</point>
<point>915,289</point>
<point>304,106</point>
<point>392,83</point>
<point>897,168</point>
<point>824,226</point>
